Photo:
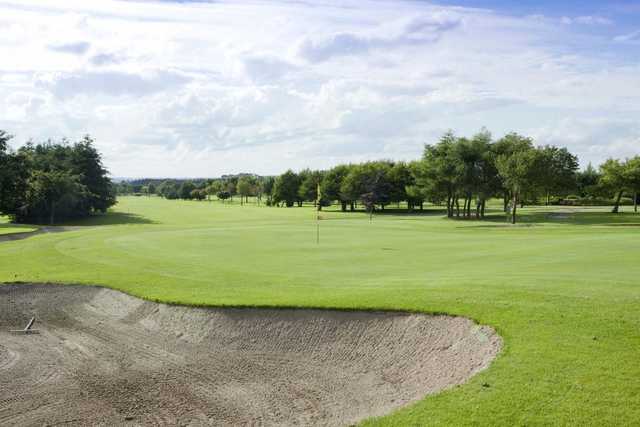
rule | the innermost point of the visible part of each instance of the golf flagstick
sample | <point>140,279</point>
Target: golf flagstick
<point>318,198</point>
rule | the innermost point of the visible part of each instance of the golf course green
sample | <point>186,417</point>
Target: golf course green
<point>562,288</point>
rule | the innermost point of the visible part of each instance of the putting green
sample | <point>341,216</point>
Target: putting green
<point>563,292</point>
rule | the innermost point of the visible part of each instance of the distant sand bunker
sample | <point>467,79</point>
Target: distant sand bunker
<point>105,358</point>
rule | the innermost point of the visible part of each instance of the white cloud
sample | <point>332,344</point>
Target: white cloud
<point>587,20</point>
<point>104,59</point>
<point>111,83</point>
<point>211,88</point>
<point>630,37</point>
<point>585,134</point>
<point>416,31</point>
<point>266,68</point>
<point>75,48</point>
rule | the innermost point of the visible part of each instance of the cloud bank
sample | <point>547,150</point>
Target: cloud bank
<point>207,88</point>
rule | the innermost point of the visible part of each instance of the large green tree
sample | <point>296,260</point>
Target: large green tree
<point>245,188</point>
<point>308,190</point>
<point>185,190</point>
<point>54,192</point>
<point>520,170</point>
<point>46,181</point>
<point>632,178</point>
<point>587,181</point>
<point>399,177</point>
<point>560,171</point>
<point>86,163</point>
<point>438,172</point>
<point>614,180</point>
<point>369,183</point>
<point>14,174</point>
<point>285,188</point>
<point>331,184</point>
<point>266,188</point>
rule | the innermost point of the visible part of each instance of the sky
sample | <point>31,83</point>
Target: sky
<point>202,89</point>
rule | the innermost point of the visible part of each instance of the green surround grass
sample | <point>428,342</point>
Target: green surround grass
<point>562,290</point>
<point>14,228</point>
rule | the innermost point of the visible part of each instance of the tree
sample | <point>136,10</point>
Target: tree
<point>519,170</point>
<point>33,177</point>
<point>473,171</point>
<point>13,178</point>
<point>416,195</point>
<point>331,184</point>
<point>614,179</point>
<point>506,146</point>
<point>169,190</point>
<point>486,181</point>
<point>223,195</point>
<point>308,190</point>
<point>560,171</point>
<point>51,192</point>
<point>587,181</point>
<point>285,188</point>
<point>230,187</point>
<point>352,186</point>
<point>185,190</point>
<point>213,188</point>
<point>369,183</point>
<point>437,174</point>
<point>399,177</point>
<point>86,163</point>
<point>244,188</point>
<point>632,178</point>
<point>198,194</point>
<point>266,187</point>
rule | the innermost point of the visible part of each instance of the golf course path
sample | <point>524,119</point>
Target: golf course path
<point>101,357</point>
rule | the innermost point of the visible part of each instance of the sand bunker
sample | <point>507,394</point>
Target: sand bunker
<point>105,358</point>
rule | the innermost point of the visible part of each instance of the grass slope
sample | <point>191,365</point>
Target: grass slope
<point>563,290</point>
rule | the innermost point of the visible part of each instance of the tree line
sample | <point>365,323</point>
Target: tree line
<point>458,173</point>
<point>48,182</point>
<point>225,188</point>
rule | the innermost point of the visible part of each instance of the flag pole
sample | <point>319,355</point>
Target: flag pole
<point>318,198</point>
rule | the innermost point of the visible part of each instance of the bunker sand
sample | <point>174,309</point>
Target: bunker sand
<point>106,358</point>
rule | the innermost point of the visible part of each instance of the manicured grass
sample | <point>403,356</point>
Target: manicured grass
<point>6,228</point>
<point>563,289</point>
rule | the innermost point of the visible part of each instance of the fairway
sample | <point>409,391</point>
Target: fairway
<point>561,289</point>
<point>13,228</point>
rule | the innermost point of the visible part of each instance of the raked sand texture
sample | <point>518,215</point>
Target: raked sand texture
<point>106,358</point>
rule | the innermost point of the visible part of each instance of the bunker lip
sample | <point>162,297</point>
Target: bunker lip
<point>106,358</point>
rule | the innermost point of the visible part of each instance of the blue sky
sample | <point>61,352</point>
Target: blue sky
<point>207,88</point>
<point>556,8</point>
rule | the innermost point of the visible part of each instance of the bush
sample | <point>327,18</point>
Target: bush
<point>223,195</point>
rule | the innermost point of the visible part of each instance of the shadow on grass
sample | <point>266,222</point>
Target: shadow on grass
<point>390,212</point>
<point>560,217</point>
<point>109,218</point>
<point>406,212</point>
<point>96,220</point>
